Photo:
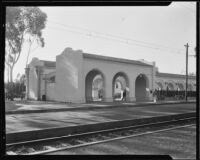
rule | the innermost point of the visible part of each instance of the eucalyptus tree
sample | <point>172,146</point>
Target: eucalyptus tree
<point>23,24</point>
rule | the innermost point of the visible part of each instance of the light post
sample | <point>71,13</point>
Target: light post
<point>186,85</point>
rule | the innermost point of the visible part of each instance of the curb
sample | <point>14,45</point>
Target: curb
<point>71,130</point>
<point>90,107</point>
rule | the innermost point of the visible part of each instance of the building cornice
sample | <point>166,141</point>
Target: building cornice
<point>159,74</point>
<point>120,60</point>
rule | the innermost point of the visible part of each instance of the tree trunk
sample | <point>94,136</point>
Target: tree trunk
<point>11,74</point>
<point>29,50</point>
<point>8,74</point>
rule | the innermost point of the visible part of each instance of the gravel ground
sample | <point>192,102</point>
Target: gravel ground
<point>178,143</point>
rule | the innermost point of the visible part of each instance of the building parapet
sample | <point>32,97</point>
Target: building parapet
<point>121,60</point>
<point>159,74</point>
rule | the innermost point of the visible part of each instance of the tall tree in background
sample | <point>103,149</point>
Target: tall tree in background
<point>23,24</point>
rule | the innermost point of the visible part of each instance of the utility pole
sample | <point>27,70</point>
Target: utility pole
<point>186,85</point>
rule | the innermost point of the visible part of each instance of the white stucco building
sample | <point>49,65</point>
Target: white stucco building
<point>80,77</point>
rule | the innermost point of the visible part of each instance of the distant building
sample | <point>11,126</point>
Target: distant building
<point>80,77</point>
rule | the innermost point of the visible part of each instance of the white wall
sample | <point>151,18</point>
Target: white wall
<point>50,93</point>
<point>42,81</point>
<point>110,68</point>
<point>71,71</point>
<point>33,79</point>
<point>69,80</point>
<point>33,94</point>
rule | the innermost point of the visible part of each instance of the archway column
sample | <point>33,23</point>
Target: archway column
<point>149,88</point>
<point>88,88</point>
<point>108,96</point>
<point>132,89</point>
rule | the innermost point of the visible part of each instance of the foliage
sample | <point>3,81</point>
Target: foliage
<point>14,90</point>
<point>22,24</point>
<point>20,78</point>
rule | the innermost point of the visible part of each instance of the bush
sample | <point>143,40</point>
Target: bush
<point>14,90</point>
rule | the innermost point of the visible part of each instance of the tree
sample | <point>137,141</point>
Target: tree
<point>15,89</point>
<point>23,24</point>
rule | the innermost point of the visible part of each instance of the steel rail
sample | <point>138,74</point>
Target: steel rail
<point>109,140</point>
<point>100,132</point>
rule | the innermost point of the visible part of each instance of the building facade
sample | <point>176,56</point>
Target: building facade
<point>79,77</point>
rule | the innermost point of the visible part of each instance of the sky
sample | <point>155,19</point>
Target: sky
<point>152,33</point>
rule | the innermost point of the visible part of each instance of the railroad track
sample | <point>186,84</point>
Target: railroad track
<point>49,145</point>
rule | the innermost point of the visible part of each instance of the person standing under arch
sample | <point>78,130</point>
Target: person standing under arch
<point>155,96</point>
<point>124,95</point>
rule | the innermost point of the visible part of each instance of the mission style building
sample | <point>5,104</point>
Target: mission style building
<point>79,77</point>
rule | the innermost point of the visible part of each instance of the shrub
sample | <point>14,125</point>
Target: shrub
<point>14,90</point>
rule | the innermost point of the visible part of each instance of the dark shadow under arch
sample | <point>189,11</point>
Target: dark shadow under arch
<point>170,86</point>
<point>190,87</point>
<point>180,86</point>
<point>159,84</point>
<point>141,85</point>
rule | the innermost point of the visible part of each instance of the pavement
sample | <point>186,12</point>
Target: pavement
<point>22,107</point>
<point>39,121</point>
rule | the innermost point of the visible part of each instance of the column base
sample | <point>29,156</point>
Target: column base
<point>107,100</point>
<point>131,99</point>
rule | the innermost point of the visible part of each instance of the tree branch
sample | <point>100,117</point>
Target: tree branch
<point>14,58</point>
<point>7,63</point>
<point>31,42</point>
<point>8,53</point>
<point>22,38</point>
<point>10,44</point>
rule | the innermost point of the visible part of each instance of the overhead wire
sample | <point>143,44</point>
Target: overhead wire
<point>111,35</point>
<point>117,40</point>
<point>120,39</point>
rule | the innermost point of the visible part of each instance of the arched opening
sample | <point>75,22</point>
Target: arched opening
<point>180,87</point>
<point>170,87</point>
<point>94,86</point>
<point>159,86</point>
<point>190,87</point>
<point>194,87</point>
<point>120,84</point>
<point>141,88</point>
